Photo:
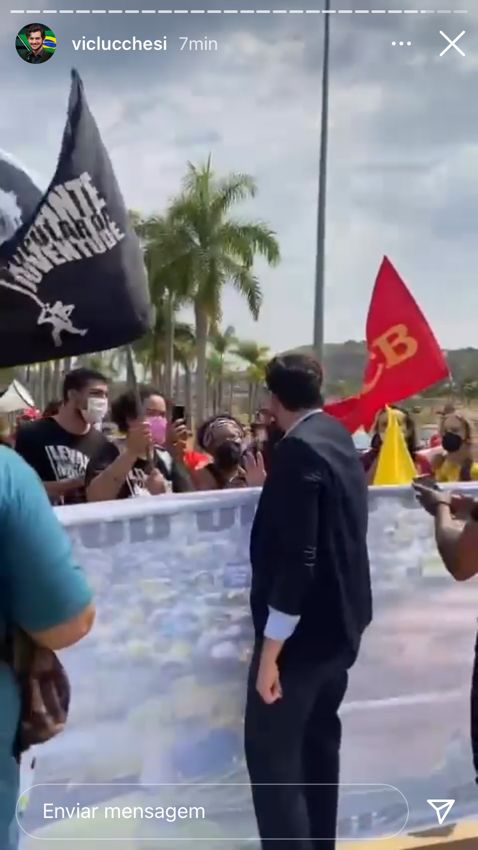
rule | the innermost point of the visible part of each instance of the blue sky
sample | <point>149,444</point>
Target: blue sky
<point>403,164</point>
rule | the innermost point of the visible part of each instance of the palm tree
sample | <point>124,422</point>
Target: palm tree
<point>221,343</point>
<point>218,250</point>
<point>256,356</point>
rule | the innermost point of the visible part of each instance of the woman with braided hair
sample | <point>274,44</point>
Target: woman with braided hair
<point>222,437</point>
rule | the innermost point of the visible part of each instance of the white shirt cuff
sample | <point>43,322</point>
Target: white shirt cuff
<point>280,626</point>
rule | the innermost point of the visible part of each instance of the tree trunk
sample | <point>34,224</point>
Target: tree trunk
<point>41,386</point>
<point>201,347</point>
<point>155,379</point>
<point>255,394</point>
<point>207,401</point>
<point>67,365</point>
<point>33,385</point>
<point>49,386</point>
<point>220,388</point>
<point>169,360</point>
<point>29,379</point>
<point>21,374</point>
<point>156,372</point>
<point>177,382</point>
<point>56,388</point>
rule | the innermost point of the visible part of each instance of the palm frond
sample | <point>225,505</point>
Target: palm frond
<point>233,189</point>
<point>247,240</point>
<point>249,287</point>
<point>252,353</point>
<point>222,341</point>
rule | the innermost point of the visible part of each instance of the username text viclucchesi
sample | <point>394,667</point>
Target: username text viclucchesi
<point>116,44</point>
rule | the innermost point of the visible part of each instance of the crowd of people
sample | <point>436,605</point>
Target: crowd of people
<point>449,456</point>
<point>72,449</point>
<point>311,594</point>
<point>151,453</point>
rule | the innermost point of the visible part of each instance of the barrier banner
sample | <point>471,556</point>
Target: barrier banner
<point>153,750</point>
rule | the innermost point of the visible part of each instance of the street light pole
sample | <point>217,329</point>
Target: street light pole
<point>321,202</point>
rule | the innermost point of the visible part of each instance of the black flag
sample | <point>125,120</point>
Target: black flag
<point>72,278</point>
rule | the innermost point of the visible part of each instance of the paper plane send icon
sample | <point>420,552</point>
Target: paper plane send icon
<point>442,808</point>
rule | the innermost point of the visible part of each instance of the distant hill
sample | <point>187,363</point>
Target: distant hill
<point>344,364</point>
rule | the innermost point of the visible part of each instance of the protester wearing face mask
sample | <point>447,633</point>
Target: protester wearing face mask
<point>456,462</point>
<point>149,461</point>
<point>222,437</point>
<point>59,448</point>
<point>369,458</point>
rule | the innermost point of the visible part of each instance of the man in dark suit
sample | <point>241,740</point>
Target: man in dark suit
<point>310,601</point>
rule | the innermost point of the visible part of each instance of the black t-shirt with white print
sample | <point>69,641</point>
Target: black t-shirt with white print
<point>177,479</point>
<point>56,454</point>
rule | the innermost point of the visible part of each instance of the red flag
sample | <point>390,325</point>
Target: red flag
<point>403,354</point>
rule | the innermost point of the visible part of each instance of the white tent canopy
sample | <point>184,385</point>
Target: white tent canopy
<point>15,398</point>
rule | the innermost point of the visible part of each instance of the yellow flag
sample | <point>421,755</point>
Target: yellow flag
<point>395,465</point>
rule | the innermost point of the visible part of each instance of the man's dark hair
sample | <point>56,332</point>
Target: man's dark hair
<point>78,379</point>
<point>35,28</point>
<point>125,409</point>
<point>296,380</point>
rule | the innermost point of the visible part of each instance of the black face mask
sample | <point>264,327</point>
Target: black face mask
<point>228,455</point>
<point>376,442</point>
<point>451,442</point>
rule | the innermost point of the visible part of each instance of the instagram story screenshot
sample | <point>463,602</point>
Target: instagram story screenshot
<point>238,252</point>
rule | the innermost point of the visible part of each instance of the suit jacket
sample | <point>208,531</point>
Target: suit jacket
<point>309,542</point>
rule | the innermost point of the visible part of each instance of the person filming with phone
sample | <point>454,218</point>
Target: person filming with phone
<point>150,459</point>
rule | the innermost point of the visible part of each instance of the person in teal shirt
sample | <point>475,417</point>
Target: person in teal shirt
<point>42,590</point>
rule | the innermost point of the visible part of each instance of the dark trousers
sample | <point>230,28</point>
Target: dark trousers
<point>294,743</point>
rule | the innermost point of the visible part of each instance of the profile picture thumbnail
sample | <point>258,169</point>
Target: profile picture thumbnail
<point>35,43</point>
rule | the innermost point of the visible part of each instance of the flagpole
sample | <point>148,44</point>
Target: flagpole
<point>321,200</point>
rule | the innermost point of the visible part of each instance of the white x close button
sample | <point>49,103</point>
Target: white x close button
<point>452,42</point>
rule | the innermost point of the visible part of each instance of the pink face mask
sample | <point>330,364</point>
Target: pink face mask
<point>158,425</point>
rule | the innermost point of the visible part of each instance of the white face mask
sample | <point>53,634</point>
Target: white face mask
<point>96,410</point>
